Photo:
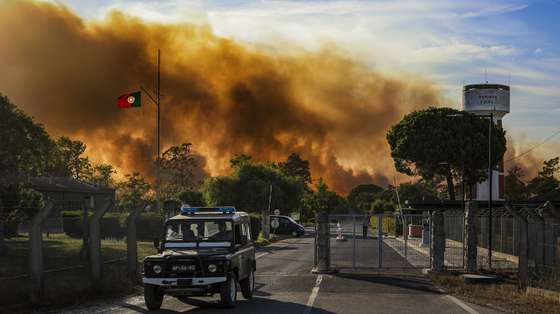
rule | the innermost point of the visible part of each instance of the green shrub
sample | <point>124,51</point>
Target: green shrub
<point>149,227</point>
<point>113,225</point>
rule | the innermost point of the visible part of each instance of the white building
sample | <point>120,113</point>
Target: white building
<point>483,99</point>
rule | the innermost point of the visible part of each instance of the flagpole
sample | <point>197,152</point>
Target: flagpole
<point>158,179</point>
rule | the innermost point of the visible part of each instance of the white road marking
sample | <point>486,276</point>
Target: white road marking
<point>261,255</point>
<point>460,303</point>
<point>313,295</point>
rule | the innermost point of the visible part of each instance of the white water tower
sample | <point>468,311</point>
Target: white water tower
<point>483,99</point>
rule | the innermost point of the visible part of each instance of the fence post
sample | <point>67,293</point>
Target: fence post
<point>95,240</point>
<point>3,246</point>
<point>552,235</point>
<point>131,243</point>
<point>523,261</point>
<point>471,211</point>
<point>84,253</point>
<point>36,252</point>
<point>266,224</point>
<point>323,244</point>
<point>523,251</point>
<point>438,241</point>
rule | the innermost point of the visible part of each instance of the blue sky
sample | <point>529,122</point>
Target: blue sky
<point>448,42</point>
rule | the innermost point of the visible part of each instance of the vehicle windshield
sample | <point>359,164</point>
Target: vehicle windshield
<point>189,233</point>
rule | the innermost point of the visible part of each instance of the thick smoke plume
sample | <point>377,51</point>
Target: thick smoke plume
<point>222,96</point>
<point>529,156</point>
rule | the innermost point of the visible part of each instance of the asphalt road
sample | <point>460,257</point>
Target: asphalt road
<point>285,285</point>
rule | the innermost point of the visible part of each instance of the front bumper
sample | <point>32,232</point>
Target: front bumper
<point>174,282</point>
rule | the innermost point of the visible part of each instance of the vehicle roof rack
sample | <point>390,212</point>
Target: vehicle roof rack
<point>187,210</point>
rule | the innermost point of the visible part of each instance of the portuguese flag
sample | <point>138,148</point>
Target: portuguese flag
<point>129,100</point>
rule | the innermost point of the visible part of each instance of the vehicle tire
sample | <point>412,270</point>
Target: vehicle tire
<point>228,292</point>
<point>248,285</point>
<point>152,297</point>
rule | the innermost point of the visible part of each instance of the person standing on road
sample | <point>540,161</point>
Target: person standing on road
<point>365,227</point>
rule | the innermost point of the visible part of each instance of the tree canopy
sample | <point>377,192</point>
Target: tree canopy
<point>249,186</point>
<point>545,181</point>
<point>26,146</point>
<point>69,159</point>
<point>362,196</point>
<point>515,188</point>
<point>438,143</point>
<point>177,168</point>
<point>294,166</point>
<point>132,191</point>
<point>323,199</point>
<point>420,191</point>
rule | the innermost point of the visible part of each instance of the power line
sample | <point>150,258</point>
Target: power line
<point>532,148</point>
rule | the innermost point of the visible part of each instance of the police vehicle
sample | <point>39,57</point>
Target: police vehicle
<point>206,250</point>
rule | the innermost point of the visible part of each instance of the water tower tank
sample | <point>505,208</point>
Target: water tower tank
<point>486,98</point>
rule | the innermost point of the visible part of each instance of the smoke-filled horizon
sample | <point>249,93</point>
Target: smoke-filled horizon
<point>220,95</point>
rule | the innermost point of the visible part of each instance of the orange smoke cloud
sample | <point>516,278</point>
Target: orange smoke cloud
<point>529,156</point>
<point>222,96</point>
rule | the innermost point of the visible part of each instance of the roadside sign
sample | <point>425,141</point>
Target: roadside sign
<point>275,223</point>
<point>276,212</point>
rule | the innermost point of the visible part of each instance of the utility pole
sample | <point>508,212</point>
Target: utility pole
<point>490,175</point>
<point>266,217</point>
<point>269,197</point>
<point>156,101</point>
<point>158,170</point>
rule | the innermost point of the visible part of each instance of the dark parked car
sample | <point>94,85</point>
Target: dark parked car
<point>204,251</point>
<point>285,225</point>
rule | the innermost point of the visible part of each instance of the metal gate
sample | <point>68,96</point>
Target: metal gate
<point>380,241</point>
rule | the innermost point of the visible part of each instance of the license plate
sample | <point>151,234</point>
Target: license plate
<point>184,282</point>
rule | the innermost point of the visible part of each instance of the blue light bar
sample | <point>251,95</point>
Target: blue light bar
<point>187,210</point>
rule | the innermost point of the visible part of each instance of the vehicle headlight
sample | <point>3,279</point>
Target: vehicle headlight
<point>157,269</point>
<point>212,268</point>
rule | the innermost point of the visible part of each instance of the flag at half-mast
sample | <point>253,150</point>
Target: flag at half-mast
<point>129,100</point>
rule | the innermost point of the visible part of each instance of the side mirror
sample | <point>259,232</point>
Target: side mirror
<point>156,244</point>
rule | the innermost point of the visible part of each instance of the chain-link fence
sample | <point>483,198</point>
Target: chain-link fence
<point>378,241</point>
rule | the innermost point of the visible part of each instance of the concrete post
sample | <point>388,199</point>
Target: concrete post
<point>438,242</point>
<point>265,224</point>
<point>323,244</point>
<point>523,267</point>
<point>84,253</point>
<point>523,261</point>
<point>95,240</point>
<point>471,212</point>
<point>36,252</point>
<point>131,243</point>
<point>551,216</point>
<point>3,246</point>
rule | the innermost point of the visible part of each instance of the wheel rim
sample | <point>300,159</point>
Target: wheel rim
<point>232,290</point>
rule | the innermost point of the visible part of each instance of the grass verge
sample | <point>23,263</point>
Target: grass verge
<point>66,280</point>
<point>261,241</point>
<point>506,296</point>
